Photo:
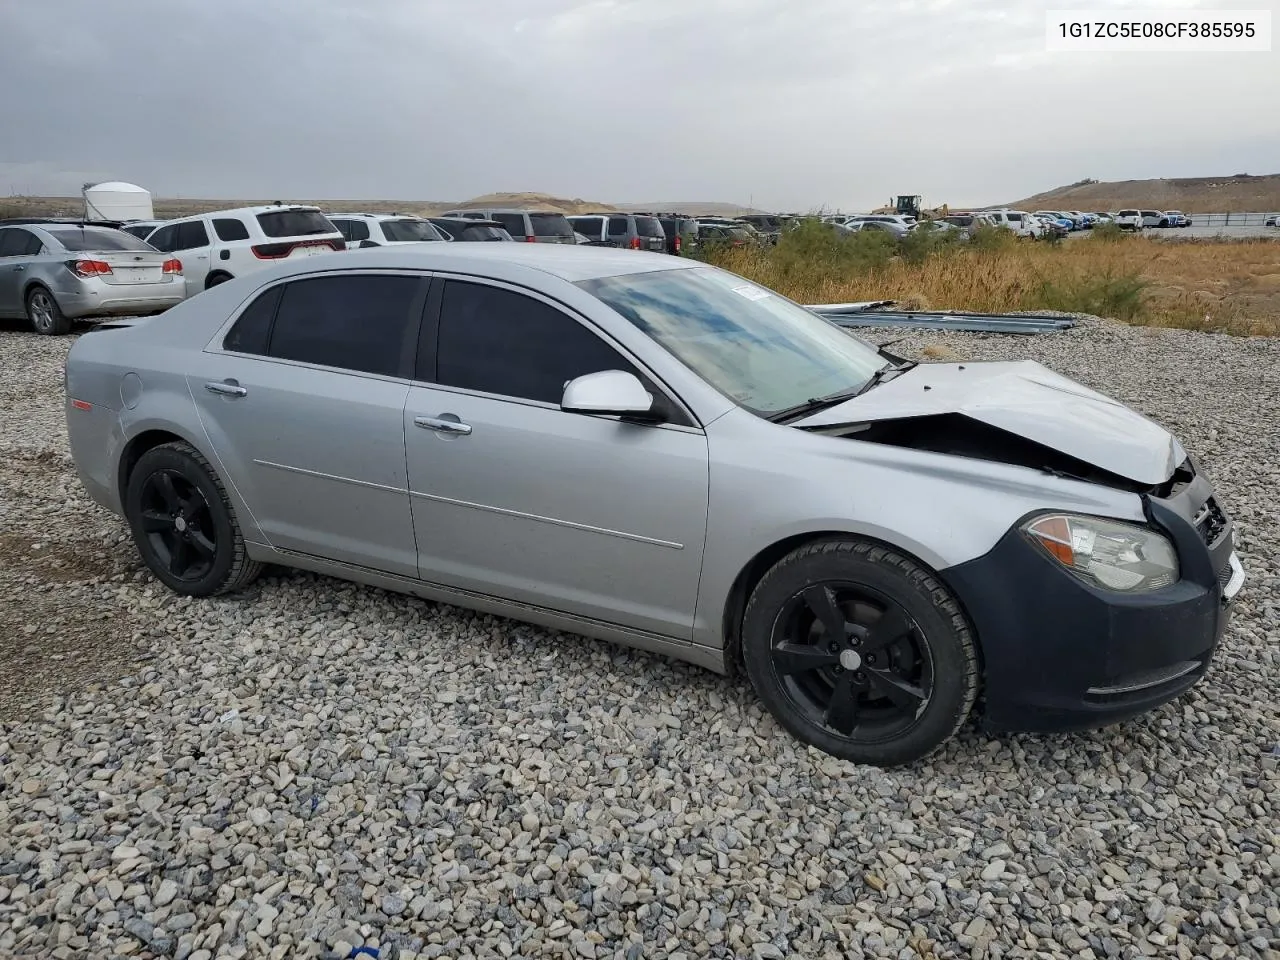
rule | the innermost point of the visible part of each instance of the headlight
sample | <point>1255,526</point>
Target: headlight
<point>1109,554</point>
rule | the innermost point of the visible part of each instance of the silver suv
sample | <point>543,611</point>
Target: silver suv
<point>532,226</point>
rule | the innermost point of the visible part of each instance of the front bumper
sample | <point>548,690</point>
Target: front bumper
<point>1060,654</point>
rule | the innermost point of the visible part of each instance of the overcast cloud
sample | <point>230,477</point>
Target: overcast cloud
<point>792,104</point>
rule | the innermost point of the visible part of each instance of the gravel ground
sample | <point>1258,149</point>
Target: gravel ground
<point>318,767</point>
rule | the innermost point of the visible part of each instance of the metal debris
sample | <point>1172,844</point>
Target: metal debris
<point>867,315</point>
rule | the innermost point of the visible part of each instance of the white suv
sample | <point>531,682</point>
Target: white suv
<point>1019,221</point>
<point>1129,220</point>
<point>228,243</point>
<point>382,229</point>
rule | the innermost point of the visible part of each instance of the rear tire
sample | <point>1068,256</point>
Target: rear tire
<point>861,652</point>
<point>44,313</point>
<point>216,278</point>
<point>184,525</point>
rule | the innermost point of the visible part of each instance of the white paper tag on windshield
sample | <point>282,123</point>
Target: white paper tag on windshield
<point>750,292</point>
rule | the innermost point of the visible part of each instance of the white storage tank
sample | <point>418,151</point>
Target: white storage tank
<point>116,200</point>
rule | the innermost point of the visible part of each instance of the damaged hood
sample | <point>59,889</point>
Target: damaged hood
<point>1026,399</point>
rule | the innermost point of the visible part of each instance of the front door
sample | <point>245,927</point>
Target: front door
<point>513,497</point>
<point>304,405</point>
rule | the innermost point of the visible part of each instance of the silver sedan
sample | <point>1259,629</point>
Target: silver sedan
<point>53,273</point>
<point>662,454</point>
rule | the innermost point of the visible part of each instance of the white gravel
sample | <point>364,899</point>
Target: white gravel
<point>319,766</point>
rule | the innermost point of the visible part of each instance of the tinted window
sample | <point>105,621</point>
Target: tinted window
<point>1015,218</point>
<point>139,230</point>
<point>163,238</point>
<point>354,322</point>
<point>1127,213</point>
<point>483,231</point>
<point>18,243</point>
<point>588,225</point>
<point>342,226</point>
<point>550,225</point>
<point>95,238</point>
<point>513,223</point>
<point>253,328</point>
<point>409,230</point>
<point>447,228</point>
<point>191,236</point>
<point>229,228</point>
<point>617,225</point>
<point>294,223</point>
<point>648,227</point>
<point>507,343</point>
<point>357,230</point>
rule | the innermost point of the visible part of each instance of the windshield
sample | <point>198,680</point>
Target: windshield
<point>409,231</point>
<point>77,239</point>
<point>760,350</point>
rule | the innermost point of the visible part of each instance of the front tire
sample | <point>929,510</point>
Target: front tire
<point>861,652</point>
<point>44,313</point>
<point>184,525</point>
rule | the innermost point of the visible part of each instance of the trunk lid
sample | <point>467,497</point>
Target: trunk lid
<point>129,266</point>
<point>1028,400</point>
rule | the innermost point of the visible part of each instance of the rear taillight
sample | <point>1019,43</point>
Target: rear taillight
<point>635,243</point>
<point>173,266</point>
<point>271,251</point>
<point>530,239</point>
<point>339,244</point>
<point>89,268</point>
<point>678,244</point>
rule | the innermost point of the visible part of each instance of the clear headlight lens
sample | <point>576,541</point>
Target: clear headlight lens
<point>1109,554</point>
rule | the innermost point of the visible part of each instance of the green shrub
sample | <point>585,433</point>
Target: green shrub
<point>988,237</point>
<point>926,240</point>
<point>1111,294</point>
<point>1107,233</point>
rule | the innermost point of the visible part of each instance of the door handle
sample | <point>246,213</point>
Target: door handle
<point>439,425</point>
<point>226,388</point>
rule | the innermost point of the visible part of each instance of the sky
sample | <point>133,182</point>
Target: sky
<point>783,104</point>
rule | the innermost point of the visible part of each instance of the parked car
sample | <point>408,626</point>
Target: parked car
<point>903,223</point>
<point>380,229</point>
<point>531,226</point>
<point>53,273</point>
<point>719,234</point>
<point>892,227</point>
<point>1176,218</point>
<point>1052,226</point>
<point>1272,221</point>
<point>216,247</point>
<point>470,229</point>
<point>681,233</point>
<point>140,228</point>
<point>769,225</point>
<point>1019,222</point>
<point>1154,218</point>
<point>1129,220</point>
<point>574,441</point>
<point>1075,220</point>
<point>634,231</point>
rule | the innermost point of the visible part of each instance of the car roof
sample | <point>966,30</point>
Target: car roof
<point>244,211</point>
<point>504,210</point>
<point>377,216</point>
<point>499,261</point>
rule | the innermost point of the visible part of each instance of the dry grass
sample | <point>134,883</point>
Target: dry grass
<point>1227,286</point>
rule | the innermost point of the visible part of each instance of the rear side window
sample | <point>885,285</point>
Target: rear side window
<point>1127,213</point>
<point>617,225</point>
<point>355,230</point>
<point>509,344</point>
<point>15,242</point>
<point>77,239</point>
<point>1015,218</point>
<point>648,227</point>
<point>163,239</point>
<point>253,328</point>
<point>229,228</point>
<point>550,225</point>
<point>354,322</point>
<point>191,236</point>
<point>588,225</point>
<point>513,223</point>
<point>294,223</point>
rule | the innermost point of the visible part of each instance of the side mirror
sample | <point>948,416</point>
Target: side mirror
<point>613,393</point>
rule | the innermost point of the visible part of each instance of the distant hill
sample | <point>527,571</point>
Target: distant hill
<point>167,208</point>
<point>692,208</point>
<point>1239,193</point>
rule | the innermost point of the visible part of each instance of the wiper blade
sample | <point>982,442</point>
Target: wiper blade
<point>813,404</point>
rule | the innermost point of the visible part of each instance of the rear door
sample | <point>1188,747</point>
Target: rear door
<point>513,223</point>
<point>17,247</point>
<point>191,245</point>
<point>513,497</point>
<point>652,237</point>
<point>550,228</point>
<point>303,401</point>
